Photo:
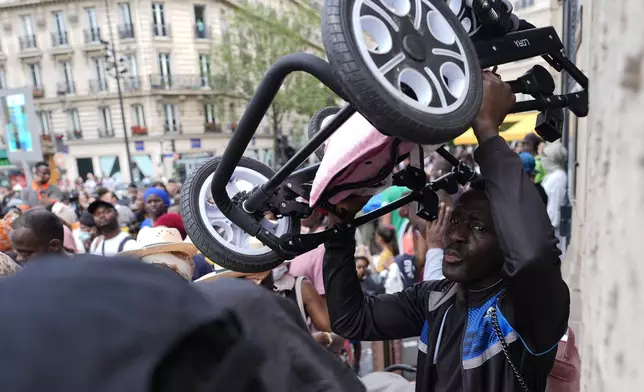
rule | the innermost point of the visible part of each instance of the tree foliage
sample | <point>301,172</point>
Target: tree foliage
<point>256,37</point>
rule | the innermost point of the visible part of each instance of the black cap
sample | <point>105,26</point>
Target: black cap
<point>99,203</point>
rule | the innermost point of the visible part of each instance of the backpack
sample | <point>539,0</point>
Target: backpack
<point>407,266</point>
<point>289,286</point>
<point>565,373</point>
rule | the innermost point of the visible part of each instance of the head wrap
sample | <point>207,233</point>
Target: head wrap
<point>528,162</point>
<point>157,192</point>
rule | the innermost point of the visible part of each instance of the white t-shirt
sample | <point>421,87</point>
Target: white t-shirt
<point>110,247</point>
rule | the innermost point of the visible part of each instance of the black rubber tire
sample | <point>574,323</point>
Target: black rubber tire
<point>198,232</point>
<point>388,114</point>
<point>316,124</point>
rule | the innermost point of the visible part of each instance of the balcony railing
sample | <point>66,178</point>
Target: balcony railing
<point>126,31</point>
<point>59,39</point>
<point>212,127</point>
<point>139,130</point>
<point>161,30</point>
<point>65,88</point>
<point>105,133</point>
<point>131,83</point>
<point>75,134</point>
<point>176,82</point>
<point>98,85</point>
<point>172,129</point>
<point>27,42</point>
<point>203,31</point>
<point>92,35</point>
<point>38,91</point>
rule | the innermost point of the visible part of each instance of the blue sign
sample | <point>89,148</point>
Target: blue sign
<point>195,143</point>
<point>138,146</point>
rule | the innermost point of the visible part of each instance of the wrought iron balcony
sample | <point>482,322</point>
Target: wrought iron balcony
<point>64,88</point>
<point>138,130</point>
<point>92,35</point>
<point>161,30</point>
<point>172,129</point>
<point>131,83</point>
<point>177,82</point>
<point>212,127</point>
<point>75,135</point>
<point>27,42</point>
<point>126,31</point>
<point>98,85</point>
<point>105,133</point>
<point>59,39</point>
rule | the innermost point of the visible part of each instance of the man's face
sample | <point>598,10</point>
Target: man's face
<point>108,198</point>
<point>132,191</point>
<point>472,252</point>
<point>154,206</point>
<point>173,188</point>
<point>361,268</point>
<point>43,174</point>
<point>28,246</point>
<point>105,218</point>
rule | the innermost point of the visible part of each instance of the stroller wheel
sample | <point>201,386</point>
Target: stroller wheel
<point>315,125</point>
<point>469,20</point>
<point>408,66</point>
<point>214,234</point>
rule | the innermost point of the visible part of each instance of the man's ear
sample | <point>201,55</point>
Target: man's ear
<point>55,246</point>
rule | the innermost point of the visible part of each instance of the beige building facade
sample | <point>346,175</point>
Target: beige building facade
<point>170,107</point>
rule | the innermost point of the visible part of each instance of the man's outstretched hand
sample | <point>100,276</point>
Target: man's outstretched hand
<point>497,102</point>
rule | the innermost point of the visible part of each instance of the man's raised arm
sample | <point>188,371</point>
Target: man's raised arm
<point>537,299</point>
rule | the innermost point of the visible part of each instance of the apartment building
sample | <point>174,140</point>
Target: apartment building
<point>171,109</point>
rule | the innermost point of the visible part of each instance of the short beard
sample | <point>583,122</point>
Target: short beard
<point>109,227</point>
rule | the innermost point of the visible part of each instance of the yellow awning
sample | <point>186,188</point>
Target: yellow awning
<point>515,127</point>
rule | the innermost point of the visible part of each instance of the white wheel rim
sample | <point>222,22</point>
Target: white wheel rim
<point>222,229</point>
<point>391,65</point>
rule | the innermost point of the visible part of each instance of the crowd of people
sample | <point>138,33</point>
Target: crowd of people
<point>489,263</point>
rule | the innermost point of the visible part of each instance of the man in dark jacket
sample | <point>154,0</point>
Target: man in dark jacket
<point>500,257</point>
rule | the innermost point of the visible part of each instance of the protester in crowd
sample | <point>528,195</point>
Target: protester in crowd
<point>90,183</point>
<point>370,286</point>
<point>7,265</point>
<point>503,269</point>
<point>306,304</point>
<point>154,332</point>
<point>393,218</point>
<point>309,265</point>
<point>6,224</point>
<point>386,240</point>
<point>555,183</point>
<point>532,144</point>
<point>41,192</point>
<point>159,185</point>
<point>85,232</point>
<point>156,204</point>
<point>132,192</point>
<point>174,190</point>
<point>301,291</point>
<point>529,168</point>
<point>36,233</point>
<point>111,239</point>
<point>171,220</point>
<point>126,216</point>
<point>67,215</point>
<point>163,246</point>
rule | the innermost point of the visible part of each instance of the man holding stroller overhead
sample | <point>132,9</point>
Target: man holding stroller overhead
<point>493,325</point>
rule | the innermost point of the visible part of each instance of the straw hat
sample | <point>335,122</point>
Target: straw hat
<point>156,240</point>
<point>257,278</point>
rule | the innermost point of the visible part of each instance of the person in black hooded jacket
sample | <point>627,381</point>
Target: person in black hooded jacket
<point>501,257</point>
